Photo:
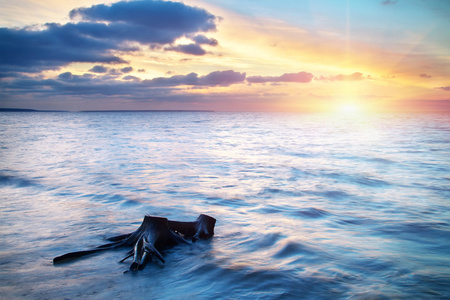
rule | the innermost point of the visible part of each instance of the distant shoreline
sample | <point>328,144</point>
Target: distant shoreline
<point>150,110</point>
<point>94,111</point>
<point>26,110</point>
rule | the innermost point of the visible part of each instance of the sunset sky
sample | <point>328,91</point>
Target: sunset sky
<point>225,55</point>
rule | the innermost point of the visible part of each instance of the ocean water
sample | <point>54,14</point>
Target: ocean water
<point>308,206</point>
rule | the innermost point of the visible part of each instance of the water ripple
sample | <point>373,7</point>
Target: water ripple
<point>16,181</point>
<point>311,212</point>
<point>308,206</point>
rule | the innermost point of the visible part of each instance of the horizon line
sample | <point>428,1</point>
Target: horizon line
<point>4,109</point>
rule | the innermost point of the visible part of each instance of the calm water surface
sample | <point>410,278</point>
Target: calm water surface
<point>307,206</point>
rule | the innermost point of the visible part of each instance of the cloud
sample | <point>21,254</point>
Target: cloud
<point>27,50</point>
<point>189,79</point>
<point>102,30</point>
<point>115,72</point>
<point>71,85</point>
<point>130,87</point>
<point>425,75</point>
<point>222,78</point>
<point>99,69</point>
<point>304,77</point>
<point>300,77</point>
<point>217,78</point>
<point>444,88</point>
<point>65,76</point>
<point>160,17</point>
<point>192,49</point>
<point>353,77</point>
<point>109,82</point>
<point>126,69</point>
<point>275,94</point>
<point>203,40</point>
<point>132,78</point>
<point>341,77</point>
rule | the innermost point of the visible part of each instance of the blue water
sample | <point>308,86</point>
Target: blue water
<point>308,206</point>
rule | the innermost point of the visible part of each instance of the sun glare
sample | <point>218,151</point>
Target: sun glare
<point>348,109</point>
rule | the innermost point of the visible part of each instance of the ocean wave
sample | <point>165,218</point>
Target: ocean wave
<point>130,203</point>
<point>381,160</point>
<point>292,248</point>
<point>293,211</point>
<point>369,180</point>
<point>261,241</point>
<point>16,181</point>
<point>311,213</point>
<point>417,231</point>
<point>228,202</point>
<point>298,154</point>
<point>332,194</point>
<point>356,221</point>
<point>269,209</point>
<point>324,210</point>
<point>270,191</point>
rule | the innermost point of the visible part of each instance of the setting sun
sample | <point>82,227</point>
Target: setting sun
<point>349,109</point>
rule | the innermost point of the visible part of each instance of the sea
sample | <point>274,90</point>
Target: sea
<point>308,205</point>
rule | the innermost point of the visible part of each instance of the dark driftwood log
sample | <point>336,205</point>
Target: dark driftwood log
<point>152,236</point>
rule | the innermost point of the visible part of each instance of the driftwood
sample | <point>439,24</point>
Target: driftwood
<point>154,234</point>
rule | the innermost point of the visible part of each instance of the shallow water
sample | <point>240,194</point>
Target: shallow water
<point>308,206</point>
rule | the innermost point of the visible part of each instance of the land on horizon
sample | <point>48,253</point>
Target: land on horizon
<point>122,110</point>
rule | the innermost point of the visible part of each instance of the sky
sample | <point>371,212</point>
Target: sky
<point>226,55</point>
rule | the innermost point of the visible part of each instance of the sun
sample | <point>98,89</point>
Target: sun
<point>348,109</point>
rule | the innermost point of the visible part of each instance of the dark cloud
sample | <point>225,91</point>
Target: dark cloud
<point>103,29</point>
<point>99,69</point>
<point>27,50</point>
<point>217,78</point>
<point>115,72</point>
<point>192,49</point>
<point>65,76</point>
<point>64,85</point>
<point>87,85</point>
<point>171,18</point>
<point>425,75</point>
<point>189,79</point>
<point>132,78</point>
<point>444,88</point>
<point>105,86</point>
<point>203,40</point>
<point>146,22</point>
<point>68,77</point>
<point>300,77</point>
<point>223,78</point>
<point>126,69</point>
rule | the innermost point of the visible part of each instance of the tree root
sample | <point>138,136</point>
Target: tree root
<point>153,235</point>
